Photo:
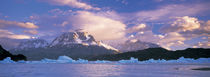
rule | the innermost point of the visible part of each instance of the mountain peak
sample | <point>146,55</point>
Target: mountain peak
<point>78,37</point>
<point>73,38</point>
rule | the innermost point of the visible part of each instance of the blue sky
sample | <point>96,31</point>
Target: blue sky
<point>174,24</point>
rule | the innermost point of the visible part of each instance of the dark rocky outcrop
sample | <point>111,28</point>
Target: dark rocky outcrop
<point>4,53</point>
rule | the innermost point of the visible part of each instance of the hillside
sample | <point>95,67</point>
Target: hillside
<point>156,53</point>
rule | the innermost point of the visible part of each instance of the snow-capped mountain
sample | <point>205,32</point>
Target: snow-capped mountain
<point>134,44</point>
<point>70,39</point>
<point>73,44</point>
<point>32,43</point>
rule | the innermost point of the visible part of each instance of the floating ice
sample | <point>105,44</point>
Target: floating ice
<point>7,60</point>
<point>66,59</point>
<point>132,60</point>
<point>102,61</point>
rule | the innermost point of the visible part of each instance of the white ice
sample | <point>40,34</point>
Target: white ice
<point>66,59</point>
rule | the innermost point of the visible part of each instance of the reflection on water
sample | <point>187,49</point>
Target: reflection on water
<point>102,70</point>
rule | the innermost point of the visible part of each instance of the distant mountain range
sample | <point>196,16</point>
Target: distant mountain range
<point>72,44</point>
<point>33,43</point>
<point>75,45</point>
<point>83,45</point>
<point>135,44</point>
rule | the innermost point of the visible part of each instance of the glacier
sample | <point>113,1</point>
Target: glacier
<point>66,59</point>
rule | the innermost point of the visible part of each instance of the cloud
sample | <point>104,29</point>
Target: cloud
<point>206,28</point>
<point>202,45</point>
<point>102,28</point>
<point>137,28</point>
<point>72,3</point>
<point>7,34</point>
<point>111,14</point>
<point>167,41</point>
<point>189,27</point>
<point>59,12</point>
<point>172,39</point>
<point>173,10</point>
<point>186,28</point>
<point>148,36</point>
<point>31,31</point>
<point>29,25</point>
<point>184,23</point>
<point>122,1</point>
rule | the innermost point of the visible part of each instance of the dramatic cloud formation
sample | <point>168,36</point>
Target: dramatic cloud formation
<point>7,34</point>
<point>186,28</point>
<point>72,3</point>
<point>172,39</point>
<point>185,23</point>
<point>4,23</point>
<point>102,28</point>
<point>170,24</point>
<point>189,27</point>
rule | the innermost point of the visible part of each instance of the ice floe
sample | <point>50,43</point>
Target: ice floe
<point>66,59</point>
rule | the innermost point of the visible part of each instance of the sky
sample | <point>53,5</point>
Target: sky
<point>172,24</point>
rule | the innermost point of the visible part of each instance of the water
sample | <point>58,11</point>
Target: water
<point>103,70</point>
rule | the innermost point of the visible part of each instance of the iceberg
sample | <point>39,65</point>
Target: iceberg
<point>7,60</point>
<point>66,59</point>
<point>132,60</point>
<point>102,61</point>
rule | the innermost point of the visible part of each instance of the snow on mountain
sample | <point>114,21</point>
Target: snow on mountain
<point>73,44</point>
<point>33,43</point>
<point>83,38</point>
<point>74,38</point>
<point>107,46</point>
<point>134,44</point>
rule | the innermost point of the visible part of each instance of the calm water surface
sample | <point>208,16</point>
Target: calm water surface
<point>103,70</point>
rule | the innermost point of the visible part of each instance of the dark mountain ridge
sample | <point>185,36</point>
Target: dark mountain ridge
<point>156,53</point>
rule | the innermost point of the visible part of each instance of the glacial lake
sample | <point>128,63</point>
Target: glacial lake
<point>104,70</point>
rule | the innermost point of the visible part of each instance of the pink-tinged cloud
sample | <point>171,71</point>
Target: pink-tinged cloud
<point>189,27</point>
<point>182,24</point>
<point>8,34</point>
<point>137,28</point>
<point>72,3</point>
<point>205,44</point>
<point>102,28</point>
<point>29,25</point>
